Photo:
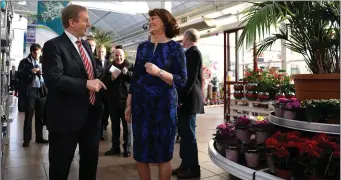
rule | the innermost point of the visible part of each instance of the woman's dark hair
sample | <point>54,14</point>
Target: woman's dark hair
<point>171,27</point>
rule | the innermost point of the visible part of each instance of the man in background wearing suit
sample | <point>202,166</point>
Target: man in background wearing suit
<point>13,80</point>
<point>74,102</point>
<point>102,64</point>
<point>190,103</point>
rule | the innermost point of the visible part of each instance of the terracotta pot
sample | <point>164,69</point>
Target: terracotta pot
<point>316,178</point>
<point>270,163</point>
<point>282,173</point>
<point>243,134</point>
<point>232,153</point>
<point>279,112</point>
<point>289,114</point>
<point>317,86</point>
<point>261,136</point>
<point>252,159</point>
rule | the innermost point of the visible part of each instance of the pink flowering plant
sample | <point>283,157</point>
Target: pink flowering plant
<point>293,104</point>
<point>243,121</point>
<point>281,102</point>
<point>224,132</point>
<point>262,124</point>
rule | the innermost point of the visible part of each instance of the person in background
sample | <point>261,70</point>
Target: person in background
<point>74,103</point>
<point>13,76</point>
<point>30,72</point>
<point>160,68</point>
<point>118,87</point>
<point>190,104</point>
<point>102,64</point>
<point>92,44</point>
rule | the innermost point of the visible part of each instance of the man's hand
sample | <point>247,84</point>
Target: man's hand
<point>95,85</point>
<point>127,114</point>
<point>35,70</point>
<point>113,76</point>
<point>124,71</point>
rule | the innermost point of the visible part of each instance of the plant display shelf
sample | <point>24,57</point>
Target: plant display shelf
<point>241,107</point>
<point>236,169</point>
<point>305,126</point>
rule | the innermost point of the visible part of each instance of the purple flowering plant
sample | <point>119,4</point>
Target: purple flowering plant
<point>224,132</point>
<point>293,104</point>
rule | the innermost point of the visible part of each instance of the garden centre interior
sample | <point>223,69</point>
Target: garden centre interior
<point>271,85</point>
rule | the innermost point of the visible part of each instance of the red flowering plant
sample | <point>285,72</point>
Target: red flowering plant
<point>282,148</point>
<point>320,156</point>
<point>251,76</point>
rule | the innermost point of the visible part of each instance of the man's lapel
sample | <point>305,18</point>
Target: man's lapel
<point>73,51</point>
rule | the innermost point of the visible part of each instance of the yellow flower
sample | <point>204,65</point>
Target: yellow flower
<point>260,118</point>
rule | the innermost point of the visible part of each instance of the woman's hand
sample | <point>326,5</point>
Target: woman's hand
<point>127,114</point>
<point>152,69</point>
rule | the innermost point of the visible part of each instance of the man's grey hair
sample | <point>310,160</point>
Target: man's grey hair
<point>192,34</point>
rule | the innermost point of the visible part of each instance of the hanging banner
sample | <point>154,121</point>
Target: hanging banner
<point>49,23</point>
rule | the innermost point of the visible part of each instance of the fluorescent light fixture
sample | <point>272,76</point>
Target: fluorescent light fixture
<point>23,3</point>
<point>119,7</point>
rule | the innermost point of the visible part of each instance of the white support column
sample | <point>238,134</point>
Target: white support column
<point>284,54</point>
<point>166,5</point>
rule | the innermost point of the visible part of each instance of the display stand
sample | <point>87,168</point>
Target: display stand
<point>241,107</point>
<point>236,169</point>
<point>6,16</point>
<point>305,126</point>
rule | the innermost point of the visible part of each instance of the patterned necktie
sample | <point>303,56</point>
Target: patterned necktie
<point>88,68</point>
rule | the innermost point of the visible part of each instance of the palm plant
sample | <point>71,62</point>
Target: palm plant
<point>311,28</point>
<point>103,37</point>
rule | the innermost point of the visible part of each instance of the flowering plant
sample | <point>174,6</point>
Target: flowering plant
<point>224,132</point>
<point>243,121</point>
<point>320,156</point>
<point>262,124</point>
<point>281,102</point>
<point>251,76</point>
<point>280,147</point>
<point>292,104</point>
<point>324,108</point>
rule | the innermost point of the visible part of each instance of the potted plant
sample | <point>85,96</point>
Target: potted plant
<point>238,87</point>
<point>242,126</point>
<point>252,155</point>
<point>291,109</point>
<point>280,147</point>
<point>232,147</point>
<point>311,28</point>
<point>263,96</point>
<point>318,155</point>
<point>238,94</point>
<point>322,111</point>
<point>251,95</point>
<point>262,128</point>
<point>251,78</point>
<point>223,133</point>
<point>279,106</point>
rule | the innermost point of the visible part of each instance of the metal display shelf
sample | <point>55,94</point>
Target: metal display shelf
<point>236,169</point>
<point>305,126</point>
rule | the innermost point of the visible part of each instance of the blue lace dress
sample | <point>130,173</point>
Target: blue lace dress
<point>154,103</point>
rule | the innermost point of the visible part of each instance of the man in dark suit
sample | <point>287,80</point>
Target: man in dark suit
<point>190,104</point>
<point>102,64</point>
<point>13,80</point>
<point>73,105</point>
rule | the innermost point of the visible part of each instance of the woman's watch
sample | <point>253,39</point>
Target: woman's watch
<point>160,73</point>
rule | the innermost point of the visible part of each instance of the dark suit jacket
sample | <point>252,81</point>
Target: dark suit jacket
<point>67,102</point>
<point>191,96</point>
<point>99,67</point>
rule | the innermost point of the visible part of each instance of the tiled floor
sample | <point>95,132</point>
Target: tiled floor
<point>32,163</point>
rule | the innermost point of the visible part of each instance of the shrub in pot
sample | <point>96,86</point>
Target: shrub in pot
<point>279,106</point>
<point>242,128</point>
<point>305,20</point>
<point>224,132</point>
<point>291,109</point>
<point>252,155</point>
<point>262,128</point>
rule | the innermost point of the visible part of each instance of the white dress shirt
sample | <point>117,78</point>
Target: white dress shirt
<point>73,39</point>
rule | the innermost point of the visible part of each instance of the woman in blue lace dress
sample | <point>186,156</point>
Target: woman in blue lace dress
<point>160,68</point>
